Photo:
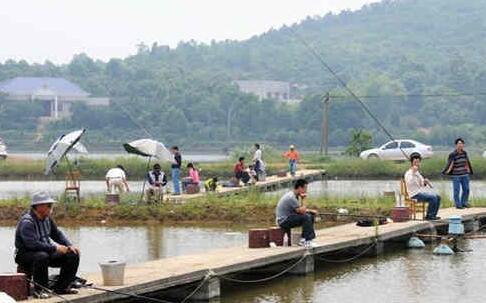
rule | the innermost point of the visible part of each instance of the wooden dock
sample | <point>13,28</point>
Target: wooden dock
<point>185,273</point>
<point>271,183</point>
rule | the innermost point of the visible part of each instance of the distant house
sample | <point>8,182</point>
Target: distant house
<point>56,94</point>
<point>267,89</point>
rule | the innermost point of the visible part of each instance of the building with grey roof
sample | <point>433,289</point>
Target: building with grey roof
<point>56,94</point>
<point>267,89</point>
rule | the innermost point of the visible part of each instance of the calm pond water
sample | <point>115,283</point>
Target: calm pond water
<point>398,276</point>
<point>374,188</point>
<point>134,244</point>
<point>401,276</point>
<point>331,188</point>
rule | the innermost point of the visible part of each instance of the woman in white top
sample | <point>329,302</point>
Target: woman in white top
<point>416,187</point>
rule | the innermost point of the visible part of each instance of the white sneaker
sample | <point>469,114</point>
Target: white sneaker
<point>302,242</point>
<point>310,244</point>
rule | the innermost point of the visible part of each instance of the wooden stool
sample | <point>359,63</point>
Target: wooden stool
<point>192,189</point>
<point>112,199</point>
<point>15,285</point>
<point>277,235</point>
<point>258,238</point>
<point>400,214</point>
<point>414,205</point>
<point>73,184</point>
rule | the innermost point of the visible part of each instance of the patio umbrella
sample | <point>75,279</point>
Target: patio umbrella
<point>60,148</point>
<point>80,148</point>
<point>149,148</point>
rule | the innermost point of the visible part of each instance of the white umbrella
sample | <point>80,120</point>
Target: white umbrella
<point>60,148</point>
<point>149,148</point>
<point>80,148</point>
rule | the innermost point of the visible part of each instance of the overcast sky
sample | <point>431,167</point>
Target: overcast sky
<point>36,30</point>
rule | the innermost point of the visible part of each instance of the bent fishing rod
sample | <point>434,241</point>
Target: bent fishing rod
<point>326,66</point>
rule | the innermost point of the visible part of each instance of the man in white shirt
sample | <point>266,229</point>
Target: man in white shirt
<point>116,178</point>
<point>258,162</point>
<point>416,187</point>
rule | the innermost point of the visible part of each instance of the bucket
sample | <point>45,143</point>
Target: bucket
<point>112,199</point>
<point>113,272</point>
<point>455,225</point>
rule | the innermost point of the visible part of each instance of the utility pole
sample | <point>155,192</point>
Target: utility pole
<point>325,124</point>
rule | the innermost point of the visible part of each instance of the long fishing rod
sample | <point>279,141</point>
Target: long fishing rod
<point>319,57</point>
<point>322,214</point>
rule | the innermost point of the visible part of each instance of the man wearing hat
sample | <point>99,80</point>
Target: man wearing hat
<point>40,244</point>
<point>293,156</point>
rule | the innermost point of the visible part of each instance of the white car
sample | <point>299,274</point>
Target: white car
<point>3,150</point>
<point>394,150</point>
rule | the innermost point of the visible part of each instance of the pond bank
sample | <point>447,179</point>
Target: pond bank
<point>336,167</point>
<point>250,208</point>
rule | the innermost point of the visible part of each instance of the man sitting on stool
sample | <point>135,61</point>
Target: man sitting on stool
<point>290,213</point>
<point>157,180</point>
<point>40,244</point>
<point>416,187</point>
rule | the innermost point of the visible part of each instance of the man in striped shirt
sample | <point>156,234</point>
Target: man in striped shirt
<point>459,167</point>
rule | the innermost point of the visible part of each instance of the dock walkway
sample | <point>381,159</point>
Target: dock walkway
<point>271,183</point>
<point>158,275</point>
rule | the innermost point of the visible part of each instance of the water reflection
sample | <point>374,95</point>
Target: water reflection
<point>401,276</point>
<point>134,244</point>
<point>331,188</point>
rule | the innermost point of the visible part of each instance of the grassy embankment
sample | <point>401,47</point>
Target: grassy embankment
<point>338,167</point>
<point>249,208</point>
<point>244,208</point>
<point>353,168</point>
<point>95,169</point>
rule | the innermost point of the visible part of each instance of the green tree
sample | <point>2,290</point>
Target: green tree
<point>359,141</point>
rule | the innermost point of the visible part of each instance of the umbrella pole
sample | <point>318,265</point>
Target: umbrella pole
<point>143,185</point>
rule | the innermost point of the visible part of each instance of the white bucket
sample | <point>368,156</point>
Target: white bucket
<point>113,272</point>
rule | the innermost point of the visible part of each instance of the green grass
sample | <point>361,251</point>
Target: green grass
<point>356,168</point>
<point>95,169</point>
<point>336,167</point>
<point>251,207</point>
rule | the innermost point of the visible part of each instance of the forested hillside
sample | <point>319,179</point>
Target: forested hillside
<point>412,57</point>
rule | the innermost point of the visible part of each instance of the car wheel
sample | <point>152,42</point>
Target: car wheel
<point>373,156</point>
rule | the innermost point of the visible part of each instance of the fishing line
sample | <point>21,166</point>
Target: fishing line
<point>319,57</point>
<point>134,121</point>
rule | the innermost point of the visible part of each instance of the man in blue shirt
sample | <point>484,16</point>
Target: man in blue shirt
<point>176,169</point>
<point>40,244</point>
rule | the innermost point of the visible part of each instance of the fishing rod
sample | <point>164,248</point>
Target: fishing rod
<point>320,58</point>
<point>322,214</point>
